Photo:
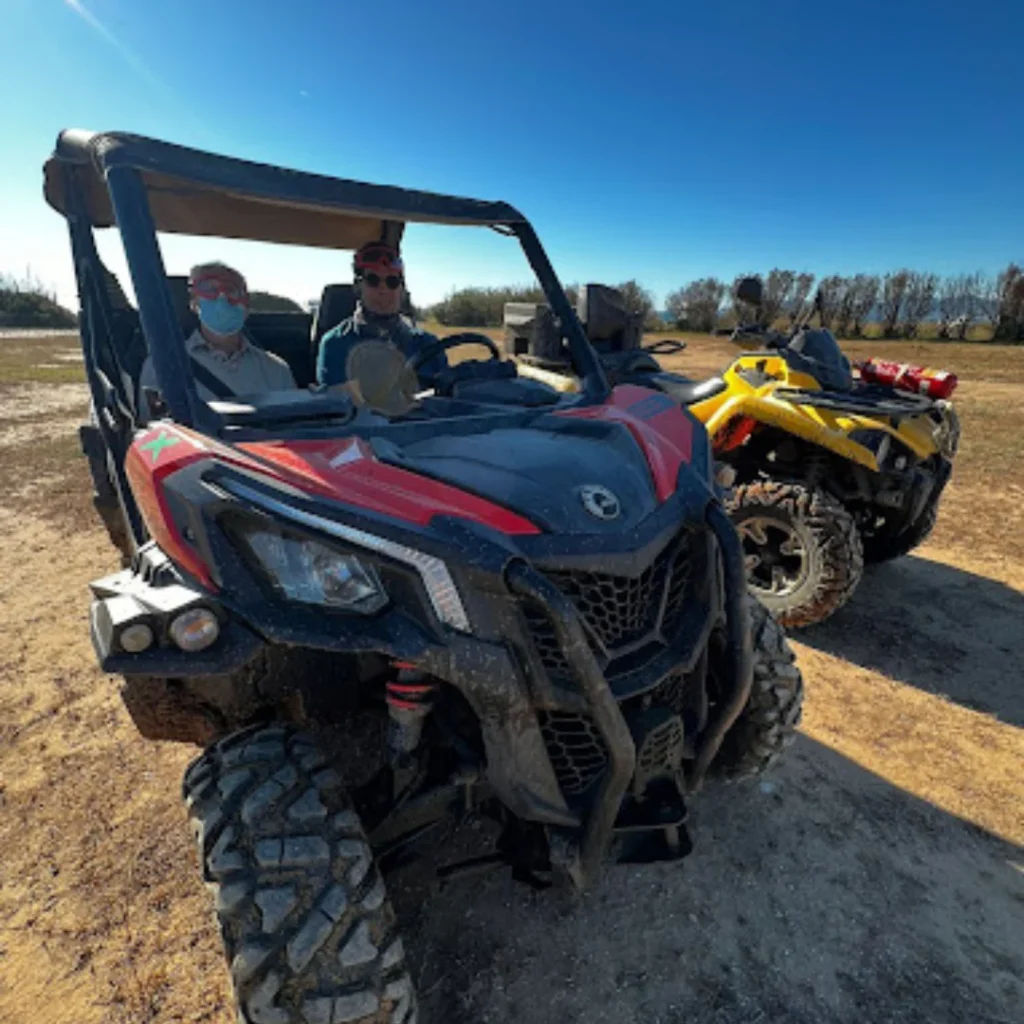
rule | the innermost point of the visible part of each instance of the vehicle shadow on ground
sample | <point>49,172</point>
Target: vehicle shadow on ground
<point>822,894</point>
<point>941,629</point>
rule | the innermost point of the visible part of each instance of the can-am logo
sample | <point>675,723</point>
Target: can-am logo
<point>600,502</point>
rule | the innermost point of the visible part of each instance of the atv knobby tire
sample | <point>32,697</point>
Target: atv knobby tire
<point>833,558</point>
<point>767,724</point>
<point>305,919</point>
<point>880,547</point>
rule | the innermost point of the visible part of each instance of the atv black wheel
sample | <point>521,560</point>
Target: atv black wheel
<point>802,549</point>
<point>767,724</point>
<point>882,547</point>
<point>307,926</point>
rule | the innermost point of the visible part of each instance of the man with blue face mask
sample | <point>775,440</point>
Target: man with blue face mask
<point>225,363</point>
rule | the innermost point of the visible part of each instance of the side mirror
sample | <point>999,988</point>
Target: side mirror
<point>750,290</point>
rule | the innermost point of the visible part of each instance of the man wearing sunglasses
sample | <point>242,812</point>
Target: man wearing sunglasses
<point>380,280</point>
<point>224,362</point>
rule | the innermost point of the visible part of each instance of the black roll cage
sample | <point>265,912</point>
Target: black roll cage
<point>142,186</point>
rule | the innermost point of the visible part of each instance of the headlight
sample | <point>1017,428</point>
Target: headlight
<point>305,570</point>
<point>136,638</point>
<point>877,441</point>
<point>437,580</point>
<point>195,629</point>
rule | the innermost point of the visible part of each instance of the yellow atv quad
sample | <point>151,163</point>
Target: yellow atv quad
<point>827,471</point>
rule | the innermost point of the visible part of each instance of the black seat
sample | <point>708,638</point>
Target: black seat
<point>286,334</point>
<point>180,297</point>
<point>687,392</point>
<point>337,303</point>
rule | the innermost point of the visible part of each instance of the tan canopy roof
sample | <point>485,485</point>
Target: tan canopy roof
<point>196,193</point>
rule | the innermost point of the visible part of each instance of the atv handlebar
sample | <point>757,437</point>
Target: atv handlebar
<point>665,347</point>
<point>773,339</point>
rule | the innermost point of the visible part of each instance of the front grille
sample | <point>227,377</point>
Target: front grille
<point>629,620</point>
<point>670,692</point>
<point>576,749</point>
<point>545,640</point>
<point>620,611</point>
<point>679,578</point>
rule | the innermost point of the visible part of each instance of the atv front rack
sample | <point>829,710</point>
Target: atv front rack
<point>864,401</point>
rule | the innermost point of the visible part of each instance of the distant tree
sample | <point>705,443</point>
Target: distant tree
<point>976,288</point>
<point>1009,289</point>
<point>640,303</point>
<point>778,287</point>
<point>862,292</point>
<point>918,301</point>
<point>845,313</point>
<point>894,293</point>
<point>676,305</point>
<point>796,305</point>
<point>832,292</point>
<point>267,302</point>
<point>961,302</point>
<point>784,297</point>
<point>950,303</point>
<point>696,306</point>
<point>986,302</point>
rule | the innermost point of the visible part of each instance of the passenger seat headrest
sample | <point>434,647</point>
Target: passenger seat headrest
<point>337,303</point>
<point>179,294</point>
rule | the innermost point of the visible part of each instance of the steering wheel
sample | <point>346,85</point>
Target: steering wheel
<point>435,348</point>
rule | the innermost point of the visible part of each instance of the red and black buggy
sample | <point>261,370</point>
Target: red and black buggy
<point>379,607</point>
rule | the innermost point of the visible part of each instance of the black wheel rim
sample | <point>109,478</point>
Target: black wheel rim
<point>775,556</point>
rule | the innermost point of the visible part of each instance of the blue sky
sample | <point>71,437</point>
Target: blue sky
<point>664,141</point>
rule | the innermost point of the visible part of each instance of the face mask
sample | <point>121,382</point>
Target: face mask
<point>220,316</point>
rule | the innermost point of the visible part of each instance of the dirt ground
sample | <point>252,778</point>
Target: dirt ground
<point>877,876</point>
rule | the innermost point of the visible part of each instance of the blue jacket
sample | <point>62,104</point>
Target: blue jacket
<point>338,342</point>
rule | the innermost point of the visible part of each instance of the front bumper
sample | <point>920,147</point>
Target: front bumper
<point>499,669</point>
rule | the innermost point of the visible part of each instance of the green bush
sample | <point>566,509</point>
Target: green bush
<point>480,307</point>
<point>27,304</point>
<point>267,302</point>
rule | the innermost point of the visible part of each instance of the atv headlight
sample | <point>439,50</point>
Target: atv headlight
<point>305,570</point>
<point>437,580</point>
<point>876,441</point>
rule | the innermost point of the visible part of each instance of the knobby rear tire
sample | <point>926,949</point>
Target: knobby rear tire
<point>829,535</point>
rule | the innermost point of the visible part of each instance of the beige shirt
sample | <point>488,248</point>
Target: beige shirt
<point>250,370</point>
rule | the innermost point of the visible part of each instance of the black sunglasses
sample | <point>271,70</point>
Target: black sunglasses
<point>393,281</point>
